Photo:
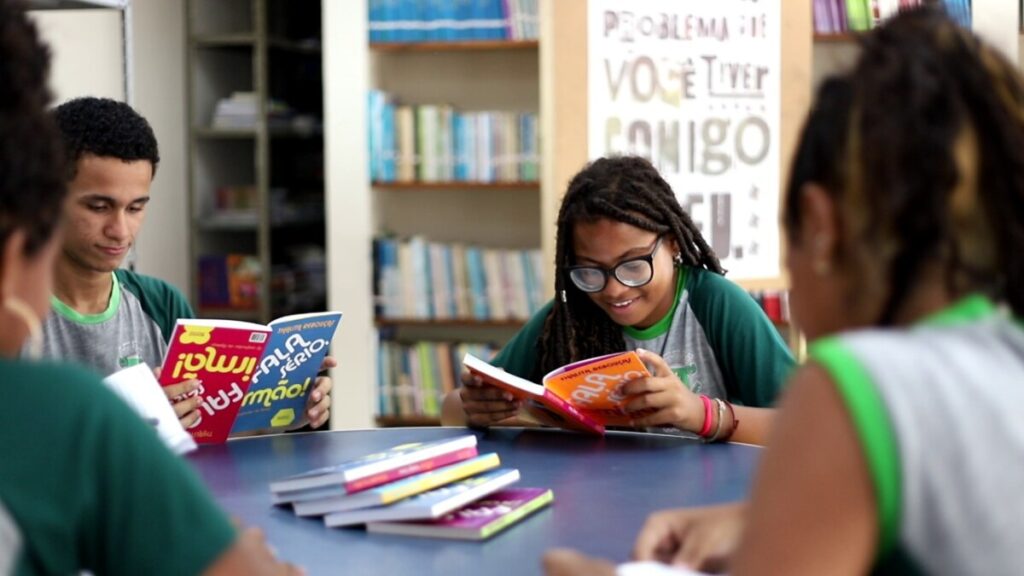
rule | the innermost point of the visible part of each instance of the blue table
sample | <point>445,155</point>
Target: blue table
<point>604,489</point>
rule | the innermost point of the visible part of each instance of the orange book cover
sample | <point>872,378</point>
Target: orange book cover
<point>222,355</point>
<point>594,385</point>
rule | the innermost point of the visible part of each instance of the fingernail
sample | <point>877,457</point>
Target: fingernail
<point>316,396</point>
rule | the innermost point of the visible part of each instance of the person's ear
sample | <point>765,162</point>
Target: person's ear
<point>819,227</point>
<point>13,264</point>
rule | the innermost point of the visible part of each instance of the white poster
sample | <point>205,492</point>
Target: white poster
<point>693,85</point>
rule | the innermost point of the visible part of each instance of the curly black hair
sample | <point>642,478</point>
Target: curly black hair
<point>106,128</point>
<point>32,187</point>
<point>937,179</point>
<point>625,189</point>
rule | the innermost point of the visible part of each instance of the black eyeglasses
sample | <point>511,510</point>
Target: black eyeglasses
<point>634,272</point>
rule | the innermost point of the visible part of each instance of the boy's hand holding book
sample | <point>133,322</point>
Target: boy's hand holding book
<point>184,399</point>
<point>318,405</point>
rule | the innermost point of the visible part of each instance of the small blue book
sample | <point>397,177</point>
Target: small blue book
<point>433,504</point>
<point>286,376</point>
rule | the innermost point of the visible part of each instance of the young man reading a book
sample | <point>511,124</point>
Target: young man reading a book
<point>106,317</point>
<point>84,483</point>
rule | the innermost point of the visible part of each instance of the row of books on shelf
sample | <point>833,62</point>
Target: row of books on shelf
<point>443,489</point>
<point>241,111</point>
<point>837,16</point>
<point>234,281</point>
<point>452,20</point>
<point>418,279</point>
<point>775,304</point>
<point>436,143</point>
<point>413,378</point>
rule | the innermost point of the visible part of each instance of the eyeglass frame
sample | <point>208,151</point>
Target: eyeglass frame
<point>607,273</point>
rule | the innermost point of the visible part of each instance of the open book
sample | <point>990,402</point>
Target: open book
<point>260,375</point>
<point>583,396</point>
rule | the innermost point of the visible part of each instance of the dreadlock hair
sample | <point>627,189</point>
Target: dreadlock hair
<point>925,161</point>
<point>625,189</point>
<point>32,186</point>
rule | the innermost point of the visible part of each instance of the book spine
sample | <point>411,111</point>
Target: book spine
<point>451,473</point>
<point>410,470</point>
<point>516,515</point>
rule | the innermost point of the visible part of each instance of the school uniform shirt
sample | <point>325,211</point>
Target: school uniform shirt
<point>938,412</point>
<point>87,485</point>
<point>135,327</point>
<point>715,338</point>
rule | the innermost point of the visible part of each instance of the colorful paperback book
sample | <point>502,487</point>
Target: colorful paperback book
<point>223,355</point>
<point>584,395</point>
<point>375,469</point>
<point>336,490</point>
<point>287,372</point>
<point>475,521</point>
<point>433,504</point>
<point>395,491</point>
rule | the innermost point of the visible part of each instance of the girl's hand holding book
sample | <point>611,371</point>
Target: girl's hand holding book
<point>662,399</point>
<point>485,404</point>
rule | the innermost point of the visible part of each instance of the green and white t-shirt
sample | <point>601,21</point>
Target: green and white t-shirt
<point>938,411</point>
<point>716,338</point>
<point>134,328</point>
<point>90,486</point>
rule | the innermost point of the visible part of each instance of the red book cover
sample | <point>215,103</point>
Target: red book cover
<point>222,355</point>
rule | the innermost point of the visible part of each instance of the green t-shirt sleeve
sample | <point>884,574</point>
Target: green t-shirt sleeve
<point>164,303</point>
<point>519,356</point>
<point>753,358</point>
<point>150,513</point>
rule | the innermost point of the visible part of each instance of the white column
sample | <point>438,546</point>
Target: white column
<point>348,211</point>
<point>998,22</point>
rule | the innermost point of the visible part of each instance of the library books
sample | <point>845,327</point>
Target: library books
<point>395,491</point>
<point>477,520</point>
<point>228,357</point>
<point>584,395</point>
<point>379,468</point>
<point>432,504</point>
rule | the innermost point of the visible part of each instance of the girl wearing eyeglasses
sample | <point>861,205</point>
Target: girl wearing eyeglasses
<point>634,272</point>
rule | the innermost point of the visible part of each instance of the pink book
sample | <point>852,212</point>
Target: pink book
<point>476,521</point>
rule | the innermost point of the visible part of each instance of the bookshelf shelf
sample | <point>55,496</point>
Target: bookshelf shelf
<point>458,185</point>
<point>213,133</point>
<point>404,421</point>
<point>229,314</point>
<point>462,46</point>
<point>448,323</point>
<point>224,40</point>
<point>836,37</point>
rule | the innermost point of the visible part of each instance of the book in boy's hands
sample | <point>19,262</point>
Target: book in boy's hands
<point>475,521</point>
<point>378,468</point>
<point>223,355</point>
<point>584,395</point>
<point>286,374</point>
<point>427,505</point>
<point>138,387</point>
<point>395,491</point>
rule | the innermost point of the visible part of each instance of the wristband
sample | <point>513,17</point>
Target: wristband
<point>708,416</point>
<point>721,416</point>
<point>735,422</point>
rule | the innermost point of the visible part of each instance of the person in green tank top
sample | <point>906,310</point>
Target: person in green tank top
<point>898,446</point>
<point>106,317</point>
<point>632,271</point>
<point>85,485</point>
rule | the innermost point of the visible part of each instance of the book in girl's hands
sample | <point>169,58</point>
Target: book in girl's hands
<point>378,468</point>
<point>433,504</point>
<point>475,521</point>
<point>286,374</point>
<point>228,357</point>
<point>395,491</point>
<point>584,395</point>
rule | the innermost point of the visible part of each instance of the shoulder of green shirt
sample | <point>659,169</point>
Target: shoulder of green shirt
<point>161,301</point>
<point>520,355</point>
<point>754,359</point>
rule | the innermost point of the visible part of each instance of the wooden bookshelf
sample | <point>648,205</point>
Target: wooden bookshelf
<point>447,323</point>
<point>460,46</point>
<point>458,185</point>
<point>229,314</point>
<point>404,421</point>
<point>836,37</point>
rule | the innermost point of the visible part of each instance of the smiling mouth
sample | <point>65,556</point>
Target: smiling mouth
<point>622,304</point>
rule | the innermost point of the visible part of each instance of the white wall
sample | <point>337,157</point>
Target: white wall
<point>348,210</point>
<point>87,61</point>
<point>997,21</point>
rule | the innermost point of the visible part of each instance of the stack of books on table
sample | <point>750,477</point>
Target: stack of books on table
<point>444,488</point>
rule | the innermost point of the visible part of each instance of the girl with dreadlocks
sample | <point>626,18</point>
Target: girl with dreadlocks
<point>898,447</point>
<point>633,272</point>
